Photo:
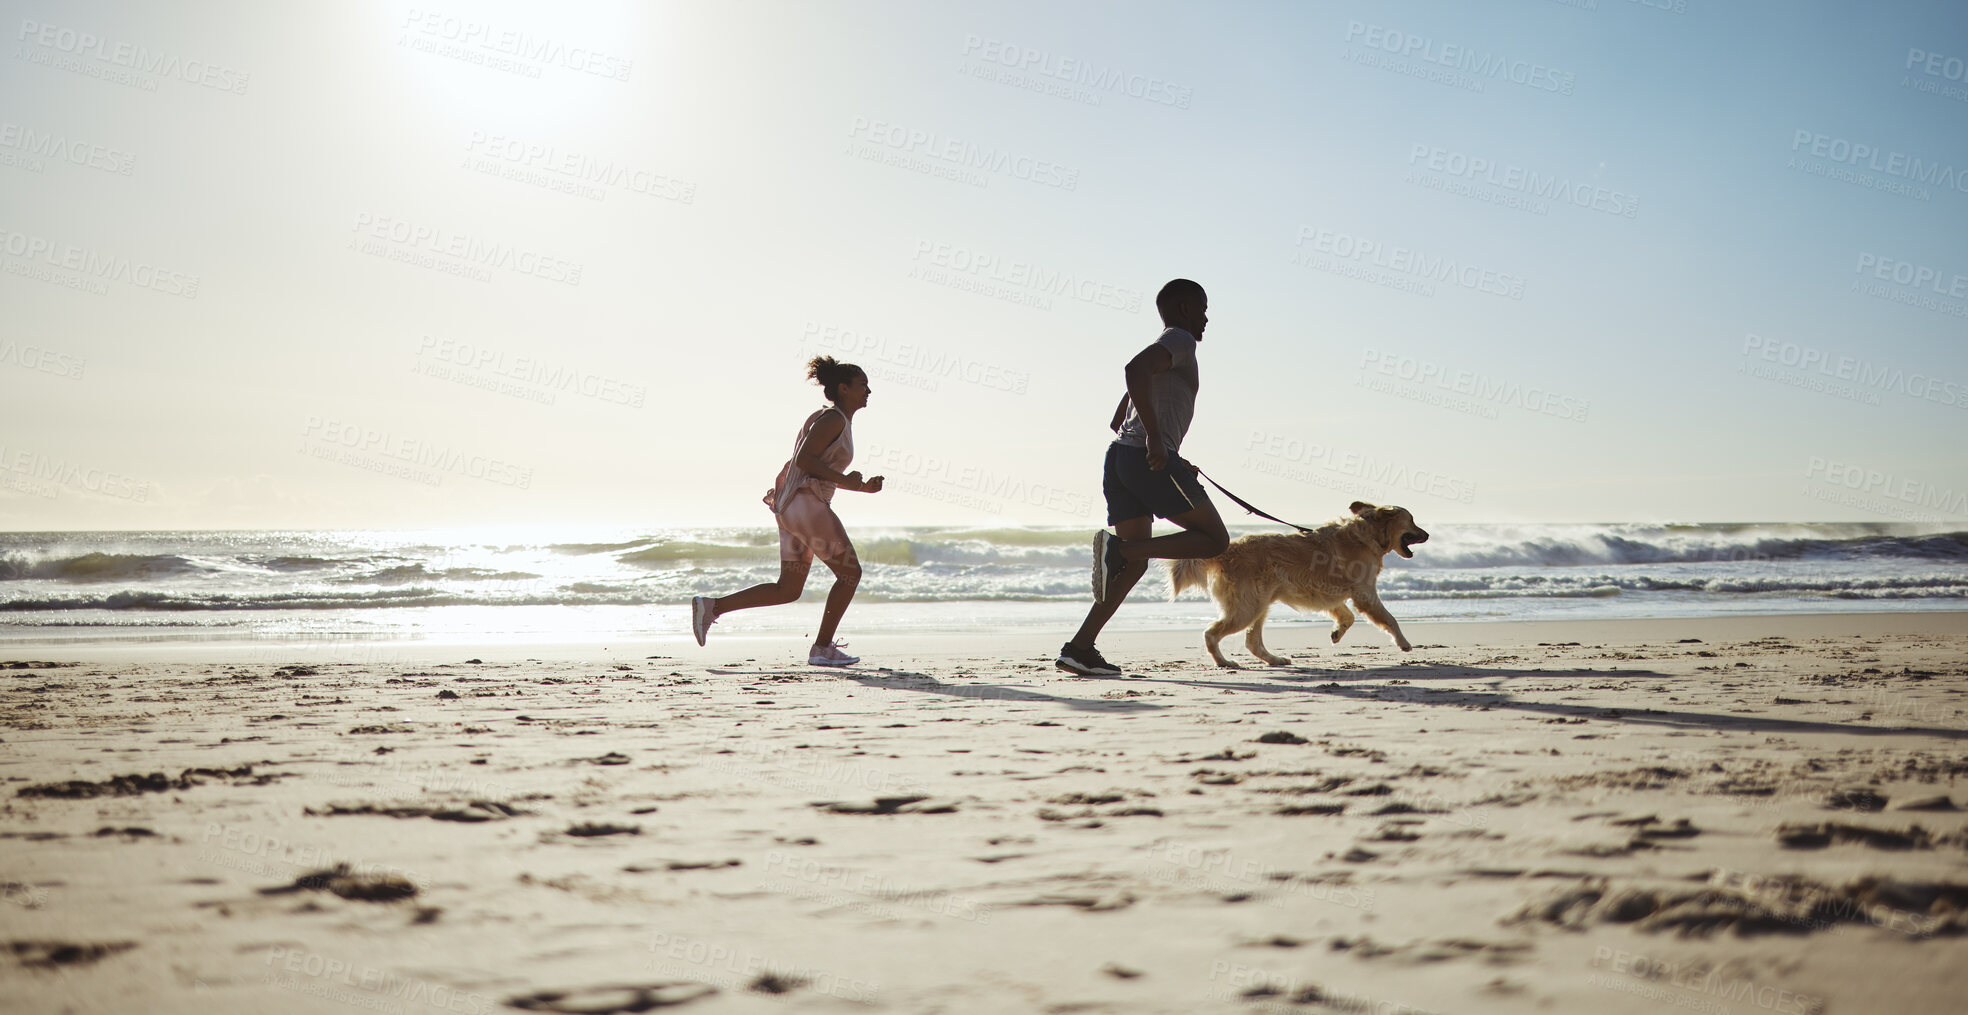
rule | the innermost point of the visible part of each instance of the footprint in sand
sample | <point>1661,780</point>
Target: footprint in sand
<point>476,811</point>
<point>339,880</point>
<point>1784,904</point>
<point>592,830</point>
<point>613,1000</point>
<point>1320,810</point>
<point>50,954</point>
<point>1857,799</point>
<point>1088,903</point>
<point>137,784</point>
<point>1829,833</point>
<point>681,865</point>
<point>888,805</point>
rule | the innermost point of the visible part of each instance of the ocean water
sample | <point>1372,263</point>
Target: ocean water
<point>597,584</point>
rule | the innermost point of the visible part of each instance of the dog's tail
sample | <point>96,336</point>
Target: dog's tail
<point>1186,573</point>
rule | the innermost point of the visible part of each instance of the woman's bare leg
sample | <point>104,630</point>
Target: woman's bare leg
<point>792,581</point>
<point>847,577</point>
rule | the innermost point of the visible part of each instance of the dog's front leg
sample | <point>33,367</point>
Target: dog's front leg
<point>1342,621</point>
<point>1370,605</point>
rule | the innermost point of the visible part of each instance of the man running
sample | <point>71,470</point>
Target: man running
<point>1145,476</point>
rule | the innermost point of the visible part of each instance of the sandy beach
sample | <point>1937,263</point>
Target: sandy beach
<point>1741,815</point>
<point>390,392</point>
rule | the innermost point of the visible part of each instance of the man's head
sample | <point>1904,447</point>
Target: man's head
<point>1184,305</point>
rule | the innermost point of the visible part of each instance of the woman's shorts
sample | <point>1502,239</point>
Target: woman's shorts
<point>809,528</point>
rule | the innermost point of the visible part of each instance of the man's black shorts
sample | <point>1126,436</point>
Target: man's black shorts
<point>1135,491</point>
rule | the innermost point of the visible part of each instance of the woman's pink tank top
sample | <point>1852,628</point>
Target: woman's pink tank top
<point>836,456</point>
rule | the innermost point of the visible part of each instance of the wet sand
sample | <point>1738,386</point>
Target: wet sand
<point>1752,814</point>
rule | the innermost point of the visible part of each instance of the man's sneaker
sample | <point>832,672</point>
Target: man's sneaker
<point>1107,562</point>
<point>831,656</point>
<point>701,617</point>
<point>1087,662</point>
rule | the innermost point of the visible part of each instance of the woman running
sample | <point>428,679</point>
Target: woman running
<point>808,527</point>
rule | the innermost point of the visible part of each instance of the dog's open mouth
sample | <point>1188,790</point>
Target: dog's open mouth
<point>1408,539</point>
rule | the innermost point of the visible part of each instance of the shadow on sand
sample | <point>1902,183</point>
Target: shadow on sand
<point>1370,685</point>
<point>903,680</point>
<point>1373,684</point>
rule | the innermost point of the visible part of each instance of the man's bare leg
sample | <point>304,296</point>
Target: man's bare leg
<point>1202,535</point>
<point>1133,529</point>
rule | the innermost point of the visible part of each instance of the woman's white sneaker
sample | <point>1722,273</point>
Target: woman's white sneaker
<point>701,616</point>
<point>831,656</point>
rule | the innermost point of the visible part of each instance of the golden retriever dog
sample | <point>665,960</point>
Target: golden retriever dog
<point>1317,570</point>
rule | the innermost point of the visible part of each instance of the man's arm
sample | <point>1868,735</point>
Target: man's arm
<point>1145,365</point>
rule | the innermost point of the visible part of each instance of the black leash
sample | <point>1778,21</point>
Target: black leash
<point>1246,505</point>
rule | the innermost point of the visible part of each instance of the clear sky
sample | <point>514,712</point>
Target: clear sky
<point>380,265</point>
